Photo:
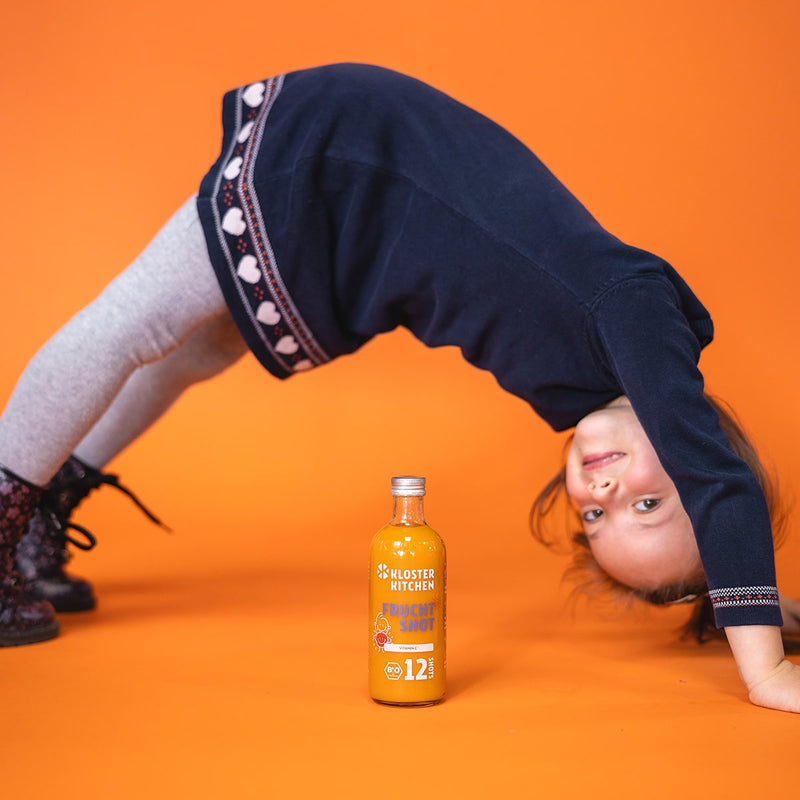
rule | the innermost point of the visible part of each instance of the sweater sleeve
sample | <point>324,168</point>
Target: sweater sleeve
<point>643,338</point>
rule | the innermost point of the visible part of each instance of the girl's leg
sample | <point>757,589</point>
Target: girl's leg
<point>152,308</point>
<point>146,313</point>
<point>43,553</point>
<point>151,390</point>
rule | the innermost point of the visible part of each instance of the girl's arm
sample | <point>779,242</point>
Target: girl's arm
<point>647,343</point>
<point>771,680</point>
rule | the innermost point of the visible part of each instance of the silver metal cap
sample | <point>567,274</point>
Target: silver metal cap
<point>408,486</point>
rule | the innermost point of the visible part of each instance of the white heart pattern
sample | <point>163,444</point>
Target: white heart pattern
<point>233,222</point>
<point>245,131</point>
<point>233,169</point>
<point>268,314</point>
<point>282,334</point>
<point>253,95</point>
<point>248,270</point>
<point>287,345</point>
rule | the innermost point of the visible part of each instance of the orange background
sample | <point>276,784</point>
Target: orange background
<point>228,659</point>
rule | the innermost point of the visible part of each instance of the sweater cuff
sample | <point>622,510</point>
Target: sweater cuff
<point>746,605</point>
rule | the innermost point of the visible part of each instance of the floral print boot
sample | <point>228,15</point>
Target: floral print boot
<point>42,554</point>
<point>24,618</point>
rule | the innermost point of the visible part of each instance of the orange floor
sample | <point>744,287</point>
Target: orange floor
<point>227,659</point>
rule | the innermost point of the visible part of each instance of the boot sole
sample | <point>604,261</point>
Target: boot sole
<point>66,597</point>
<point>73,606</point>
<point>39,634</point>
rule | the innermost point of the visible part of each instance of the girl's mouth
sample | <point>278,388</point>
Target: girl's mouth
<point>599,460</point>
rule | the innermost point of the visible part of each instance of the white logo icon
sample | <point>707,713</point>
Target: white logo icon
<point>383,571</point>
<point>393,671</point>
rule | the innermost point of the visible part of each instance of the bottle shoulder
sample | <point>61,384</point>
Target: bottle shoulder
<point>400,535</point>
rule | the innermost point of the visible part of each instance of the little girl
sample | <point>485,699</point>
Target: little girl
<point>348,200</point>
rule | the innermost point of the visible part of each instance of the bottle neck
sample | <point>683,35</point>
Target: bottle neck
<point>408,511</point>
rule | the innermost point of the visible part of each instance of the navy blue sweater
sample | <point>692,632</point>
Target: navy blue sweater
<point>348,200</point>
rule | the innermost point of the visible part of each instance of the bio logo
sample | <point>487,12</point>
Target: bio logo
<point>393,671</point>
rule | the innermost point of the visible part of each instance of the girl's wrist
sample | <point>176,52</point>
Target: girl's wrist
<point>757,650</point>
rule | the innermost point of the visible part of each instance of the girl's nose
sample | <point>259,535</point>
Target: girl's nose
<point>602,485</point>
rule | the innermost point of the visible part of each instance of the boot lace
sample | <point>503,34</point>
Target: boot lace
<point>82,485</point>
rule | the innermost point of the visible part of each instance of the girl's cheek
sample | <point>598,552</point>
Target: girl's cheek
<point>573,485</point>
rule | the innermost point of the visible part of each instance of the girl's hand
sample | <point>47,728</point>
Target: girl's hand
<point>771,680</point>
<point>780,690</point>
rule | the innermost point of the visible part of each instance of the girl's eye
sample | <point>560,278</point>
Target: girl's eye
<point>593,515</point>
<point>646,505</point>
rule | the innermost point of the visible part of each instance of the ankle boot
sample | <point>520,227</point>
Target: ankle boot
<point>42,554</point>
<point>24,619</point>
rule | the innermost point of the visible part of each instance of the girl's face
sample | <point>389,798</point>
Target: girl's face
<point>632,515</point>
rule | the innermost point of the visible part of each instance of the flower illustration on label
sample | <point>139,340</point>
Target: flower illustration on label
<point>380,635</point>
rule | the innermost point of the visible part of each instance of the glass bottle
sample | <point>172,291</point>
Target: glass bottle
<point>407,591</point>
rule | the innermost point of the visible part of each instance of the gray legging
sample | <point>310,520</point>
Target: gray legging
<point>114,369</point>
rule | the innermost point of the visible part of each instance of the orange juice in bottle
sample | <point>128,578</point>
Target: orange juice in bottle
<point>407,576</point>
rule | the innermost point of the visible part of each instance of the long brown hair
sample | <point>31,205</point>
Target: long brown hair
<point>554,522</point>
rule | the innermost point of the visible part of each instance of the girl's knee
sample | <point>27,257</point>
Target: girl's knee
<point>211,349</point>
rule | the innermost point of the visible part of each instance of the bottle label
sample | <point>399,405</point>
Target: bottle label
<point>407,632</point>
<point>407,622</point>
